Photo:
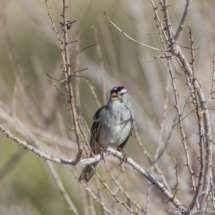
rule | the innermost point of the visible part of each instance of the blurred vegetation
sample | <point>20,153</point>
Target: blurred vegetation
<point>28,187</point>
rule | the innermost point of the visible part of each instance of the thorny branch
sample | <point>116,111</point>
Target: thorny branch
<point>206,118</point>
<point>66,65</point>
<point>181,126</point>
<point>98,157</point>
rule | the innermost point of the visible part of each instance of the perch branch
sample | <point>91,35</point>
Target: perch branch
<point>109,150</point>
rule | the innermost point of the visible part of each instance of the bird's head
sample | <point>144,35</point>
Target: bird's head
<point>119,94</point>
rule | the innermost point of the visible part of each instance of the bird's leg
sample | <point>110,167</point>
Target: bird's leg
<point>124,156</point>
<point>102,154</point>
<point>91,153</point>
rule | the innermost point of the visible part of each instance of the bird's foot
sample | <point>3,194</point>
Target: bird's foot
<point>124,155</point>
<point>102,154</point>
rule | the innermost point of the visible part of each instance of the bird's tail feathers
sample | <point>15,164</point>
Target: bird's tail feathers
<point>88,172</point>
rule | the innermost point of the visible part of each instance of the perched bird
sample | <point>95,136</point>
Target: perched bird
<point>112,126</point>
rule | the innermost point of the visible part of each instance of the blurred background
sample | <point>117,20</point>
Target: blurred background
<point>29,49</point>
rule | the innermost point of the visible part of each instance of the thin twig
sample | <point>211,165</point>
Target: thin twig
<point>12,162</point>
<point>185,116</point>
<point>67,74</point>
<point>82,49</point>
<point>159,25</point>
<point>89,191</point>
<point>192,52</point>
<point>176,188</point>
<point>137,138</point>
<point>27,146</point>
<point>99,194</point>
<point>212,87</point>
<point>93,92</point>
<point>52,77</point>
<point>168,139</point>
<point>109,47</point>
<point>130,38</point>
<point>185,104</point>
<point>80,70</point>
<point>113,178</point>
<point>162,124</point>
<point>186,47</point>
<point>60,185</point>
<point>84,200</point>
<point>201,145</point>
<point>181,126</point>
<point>117,199</point>
<point>148,192</point>
<point>77,43</point>
<point>77,81</point>
<point>60,92</point>
<point>183,20</point>
<point>91,207</point>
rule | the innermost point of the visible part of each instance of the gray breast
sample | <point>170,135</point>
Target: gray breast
<point>117,123</point>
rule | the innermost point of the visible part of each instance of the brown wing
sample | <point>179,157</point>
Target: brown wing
<point>95,130</point>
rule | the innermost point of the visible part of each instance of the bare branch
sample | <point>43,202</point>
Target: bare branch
<point>52,77</point>
<point>206,117</point>
<point>168,138</point>
<point>27,146</point>
<point>67,73</point>
<point>150,159</point>
<point>192,52</point>
<point>82,49</point>
<point>90,192</point>
<point>69,88</point>
<point>138,168</point>
<point>45,157</point>
<point>93,92</point>
<point>181,127</point>
<point>162,124</point>
<point>117,199</point>
<point>60,92</point>
<point>11,163</point>
<point>176,188</point>
<point>201,158</point>
<point>183,20</point>
<point>62,190</point>
<point>130,38</point>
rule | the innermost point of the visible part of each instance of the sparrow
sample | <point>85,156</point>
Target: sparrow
<point>112,126</point>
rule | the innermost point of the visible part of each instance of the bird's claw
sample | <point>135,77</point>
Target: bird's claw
<point>124,156</point>
<point>102,154</point>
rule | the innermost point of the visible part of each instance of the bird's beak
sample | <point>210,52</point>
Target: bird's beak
<point>114,96</point>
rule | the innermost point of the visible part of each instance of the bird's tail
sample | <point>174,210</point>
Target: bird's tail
<point>88,172</point>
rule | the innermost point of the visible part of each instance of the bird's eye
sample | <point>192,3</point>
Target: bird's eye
<point>121,94</point>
